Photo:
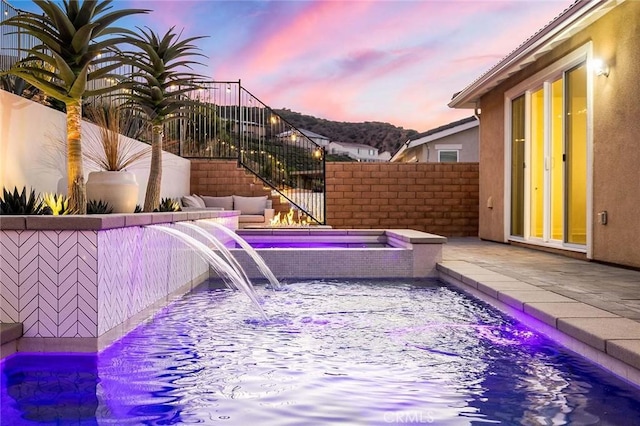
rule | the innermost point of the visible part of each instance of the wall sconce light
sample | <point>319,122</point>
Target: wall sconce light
<point>600,67</point>
<point>477,111</point>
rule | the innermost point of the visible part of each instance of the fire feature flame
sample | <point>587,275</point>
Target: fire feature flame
<point>289,219</point>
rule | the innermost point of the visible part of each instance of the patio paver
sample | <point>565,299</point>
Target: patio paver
<point>597,305</point>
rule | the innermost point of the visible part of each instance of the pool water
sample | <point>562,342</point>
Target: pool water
<point>356,353</point>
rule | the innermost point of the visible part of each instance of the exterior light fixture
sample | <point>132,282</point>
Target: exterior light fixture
<point>600,67</point>
<point>477,111</point>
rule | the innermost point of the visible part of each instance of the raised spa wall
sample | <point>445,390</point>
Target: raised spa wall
<point>408,253</point>
<point>77,283</point>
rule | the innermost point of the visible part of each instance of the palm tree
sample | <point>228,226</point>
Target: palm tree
<point>75,42</point>
<point>159,89</point>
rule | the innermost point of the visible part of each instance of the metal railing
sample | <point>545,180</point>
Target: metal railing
<point>230,122</point>
<point>13,41</point>
<point>227,122</point>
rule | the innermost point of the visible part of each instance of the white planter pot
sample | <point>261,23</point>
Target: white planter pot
<point>119,189</point>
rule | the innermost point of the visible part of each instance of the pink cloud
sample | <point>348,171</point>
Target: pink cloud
<point>394,61</point>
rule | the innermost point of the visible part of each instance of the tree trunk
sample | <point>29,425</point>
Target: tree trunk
<point>75,173</point>
<point>152,196</point>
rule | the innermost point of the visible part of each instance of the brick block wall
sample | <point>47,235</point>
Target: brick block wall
<point>219,178</point>
<point>431,197</point>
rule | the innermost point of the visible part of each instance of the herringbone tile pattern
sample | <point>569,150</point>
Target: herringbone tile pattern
<point>84,283</point>
<point>48,282</point>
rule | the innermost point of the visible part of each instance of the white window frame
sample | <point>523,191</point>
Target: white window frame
<point>457,151</point>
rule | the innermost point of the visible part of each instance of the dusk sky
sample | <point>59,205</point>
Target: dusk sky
<point>391,61</point>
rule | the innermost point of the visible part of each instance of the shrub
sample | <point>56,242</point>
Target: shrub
<point>168,205</point>
<point>98,207</point>
<point>14,203</point>
<point>59,204</point>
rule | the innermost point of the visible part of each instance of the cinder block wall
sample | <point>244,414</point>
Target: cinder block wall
<point>219,178</point>
<point>431,197</point>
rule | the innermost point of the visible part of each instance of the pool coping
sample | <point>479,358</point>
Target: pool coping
<point>606,339</point>
<point>100,222</point>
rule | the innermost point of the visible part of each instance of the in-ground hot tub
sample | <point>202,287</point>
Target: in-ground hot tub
<point>343,253</point>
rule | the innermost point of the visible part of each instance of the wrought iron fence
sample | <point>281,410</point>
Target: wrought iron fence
<point>227,122</point>
<point>13,41</point>
<point>230,122</point>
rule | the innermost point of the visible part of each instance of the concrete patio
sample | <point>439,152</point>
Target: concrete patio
<point>590,308</point>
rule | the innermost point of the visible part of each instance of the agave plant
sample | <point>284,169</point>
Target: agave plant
<point>75,43</point>
<point>58,203</point>
<point>15,203</point>
<point>158,90</point>
<point>168,205</point>
<point>98,207</point>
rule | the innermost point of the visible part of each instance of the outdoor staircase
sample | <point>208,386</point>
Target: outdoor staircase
<point>219,178</point>
<point>230,123</point>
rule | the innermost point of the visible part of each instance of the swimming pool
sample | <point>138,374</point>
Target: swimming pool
<point>357,353</point>
<point>309,245</point>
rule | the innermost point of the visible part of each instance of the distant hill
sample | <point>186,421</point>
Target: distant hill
<point>384,136</point>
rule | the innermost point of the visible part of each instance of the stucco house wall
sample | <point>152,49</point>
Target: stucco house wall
<point>491,172</point>
<point>461,136</point>
<point>615,37</point>
<point>467,140</point>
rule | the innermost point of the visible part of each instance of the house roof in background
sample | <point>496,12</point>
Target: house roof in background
<point>355,145</point>
<point>577,16</point>
<point>436,134</point>
<point>310,134</point>
<point>444,127</point>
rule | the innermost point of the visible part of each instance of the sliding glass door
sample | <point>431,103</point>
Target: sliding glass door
<point>517,165</point>
<point>576,149</point>
<point>549,160</point>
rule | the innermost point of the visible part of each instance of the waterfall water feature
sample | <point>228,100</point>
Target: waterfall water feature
<point>259,261</point>
<point>227,272</point>
<point>219,245</point>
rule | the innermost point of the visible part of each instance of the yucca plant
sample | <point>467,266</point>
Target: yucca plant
<point>75,41</point>
<point>168,205</point>
<point>58,203</point>
<point>158,90</point>
<point>109,149</point>
<point>98,207</point>
<point>18,203</point>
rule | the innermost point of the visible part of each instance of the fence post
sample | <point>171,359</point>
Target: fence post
<point>239,118</point>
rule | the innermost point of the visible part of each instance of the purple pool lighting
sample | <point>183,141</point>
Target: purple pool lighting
<point>331,353</point>
<point>312,244</point>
